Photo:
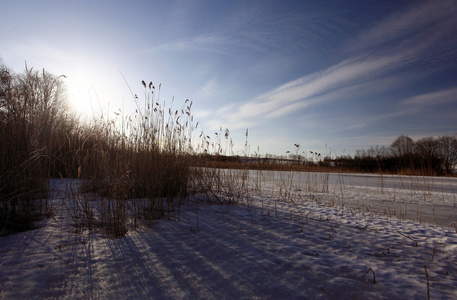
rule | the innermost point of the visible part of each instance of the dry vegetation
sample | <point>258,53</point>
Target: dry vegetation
<point>133,170</point>
<point>147,157</point>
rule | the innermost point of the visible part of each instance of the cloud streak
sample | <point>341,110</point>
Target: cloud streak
<point>417,25</point>
<point>253,28</point>
<point>365,73</point>
<point>440,97</point>
<point>350,78</point>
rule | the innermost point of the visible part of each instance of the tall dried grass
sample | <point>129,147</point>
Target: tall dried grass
<point>140,164</point>
<point>27,115</point>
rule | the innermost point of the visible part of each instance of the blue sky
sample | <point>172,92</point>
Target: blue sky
<point>330,75</point>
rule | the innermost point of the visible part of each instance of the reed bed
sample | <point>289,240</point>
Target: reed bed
<point>139,165</point>
<point>132,170</point>
<point>141,168</point>
<point>25,116</point>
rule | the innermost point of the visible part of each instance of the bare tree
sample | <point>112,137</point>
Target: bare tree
<point>6,80</point>
<point>402,146</point>
<point>427,147</point>
<point>447,150</point>
<point>39,99</point>
<point>427,150</point>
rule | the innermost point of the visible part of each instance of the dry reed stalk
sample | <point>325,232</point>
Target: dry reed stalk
<point>428,286</point>
<point>374,275</point>
<point>415,241</point>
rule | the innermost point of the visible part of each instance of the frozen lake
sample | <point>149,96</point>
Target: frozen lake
<point>404,182</point>
<point>417,183</point>
<point>416,198</point>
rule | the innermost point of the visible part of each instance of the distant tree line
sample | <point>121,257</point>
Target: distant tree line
<point>426,156</point>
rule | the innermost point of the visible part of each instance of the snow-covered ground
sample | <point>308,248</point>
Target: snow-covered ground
<point>293,236</point>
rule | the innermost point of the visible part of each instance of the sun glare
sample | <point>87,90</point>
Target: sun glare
<point>90,92</point>
<point>78,91</point>
<point>80,101</point>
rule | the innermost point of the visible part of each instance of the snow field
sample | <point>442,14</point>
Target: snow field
<point>314,246</point>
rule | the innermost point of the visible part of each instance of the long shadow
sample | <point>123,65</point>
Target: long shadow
<point>230,258</point>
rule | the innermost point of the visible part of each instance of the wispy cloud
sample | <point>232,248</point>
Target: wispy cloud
<point>201,43</point>
<point>417,25</point>
<point>435,98</point>
<point>253,28</point>
<point>366,72</point>
<point>350,78</point>
<point>41,49</point>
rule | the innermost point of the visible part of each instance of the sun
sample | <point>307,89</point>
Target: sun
<point>91,91</point>
<point>77,93</point>
<point>80,101</point>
